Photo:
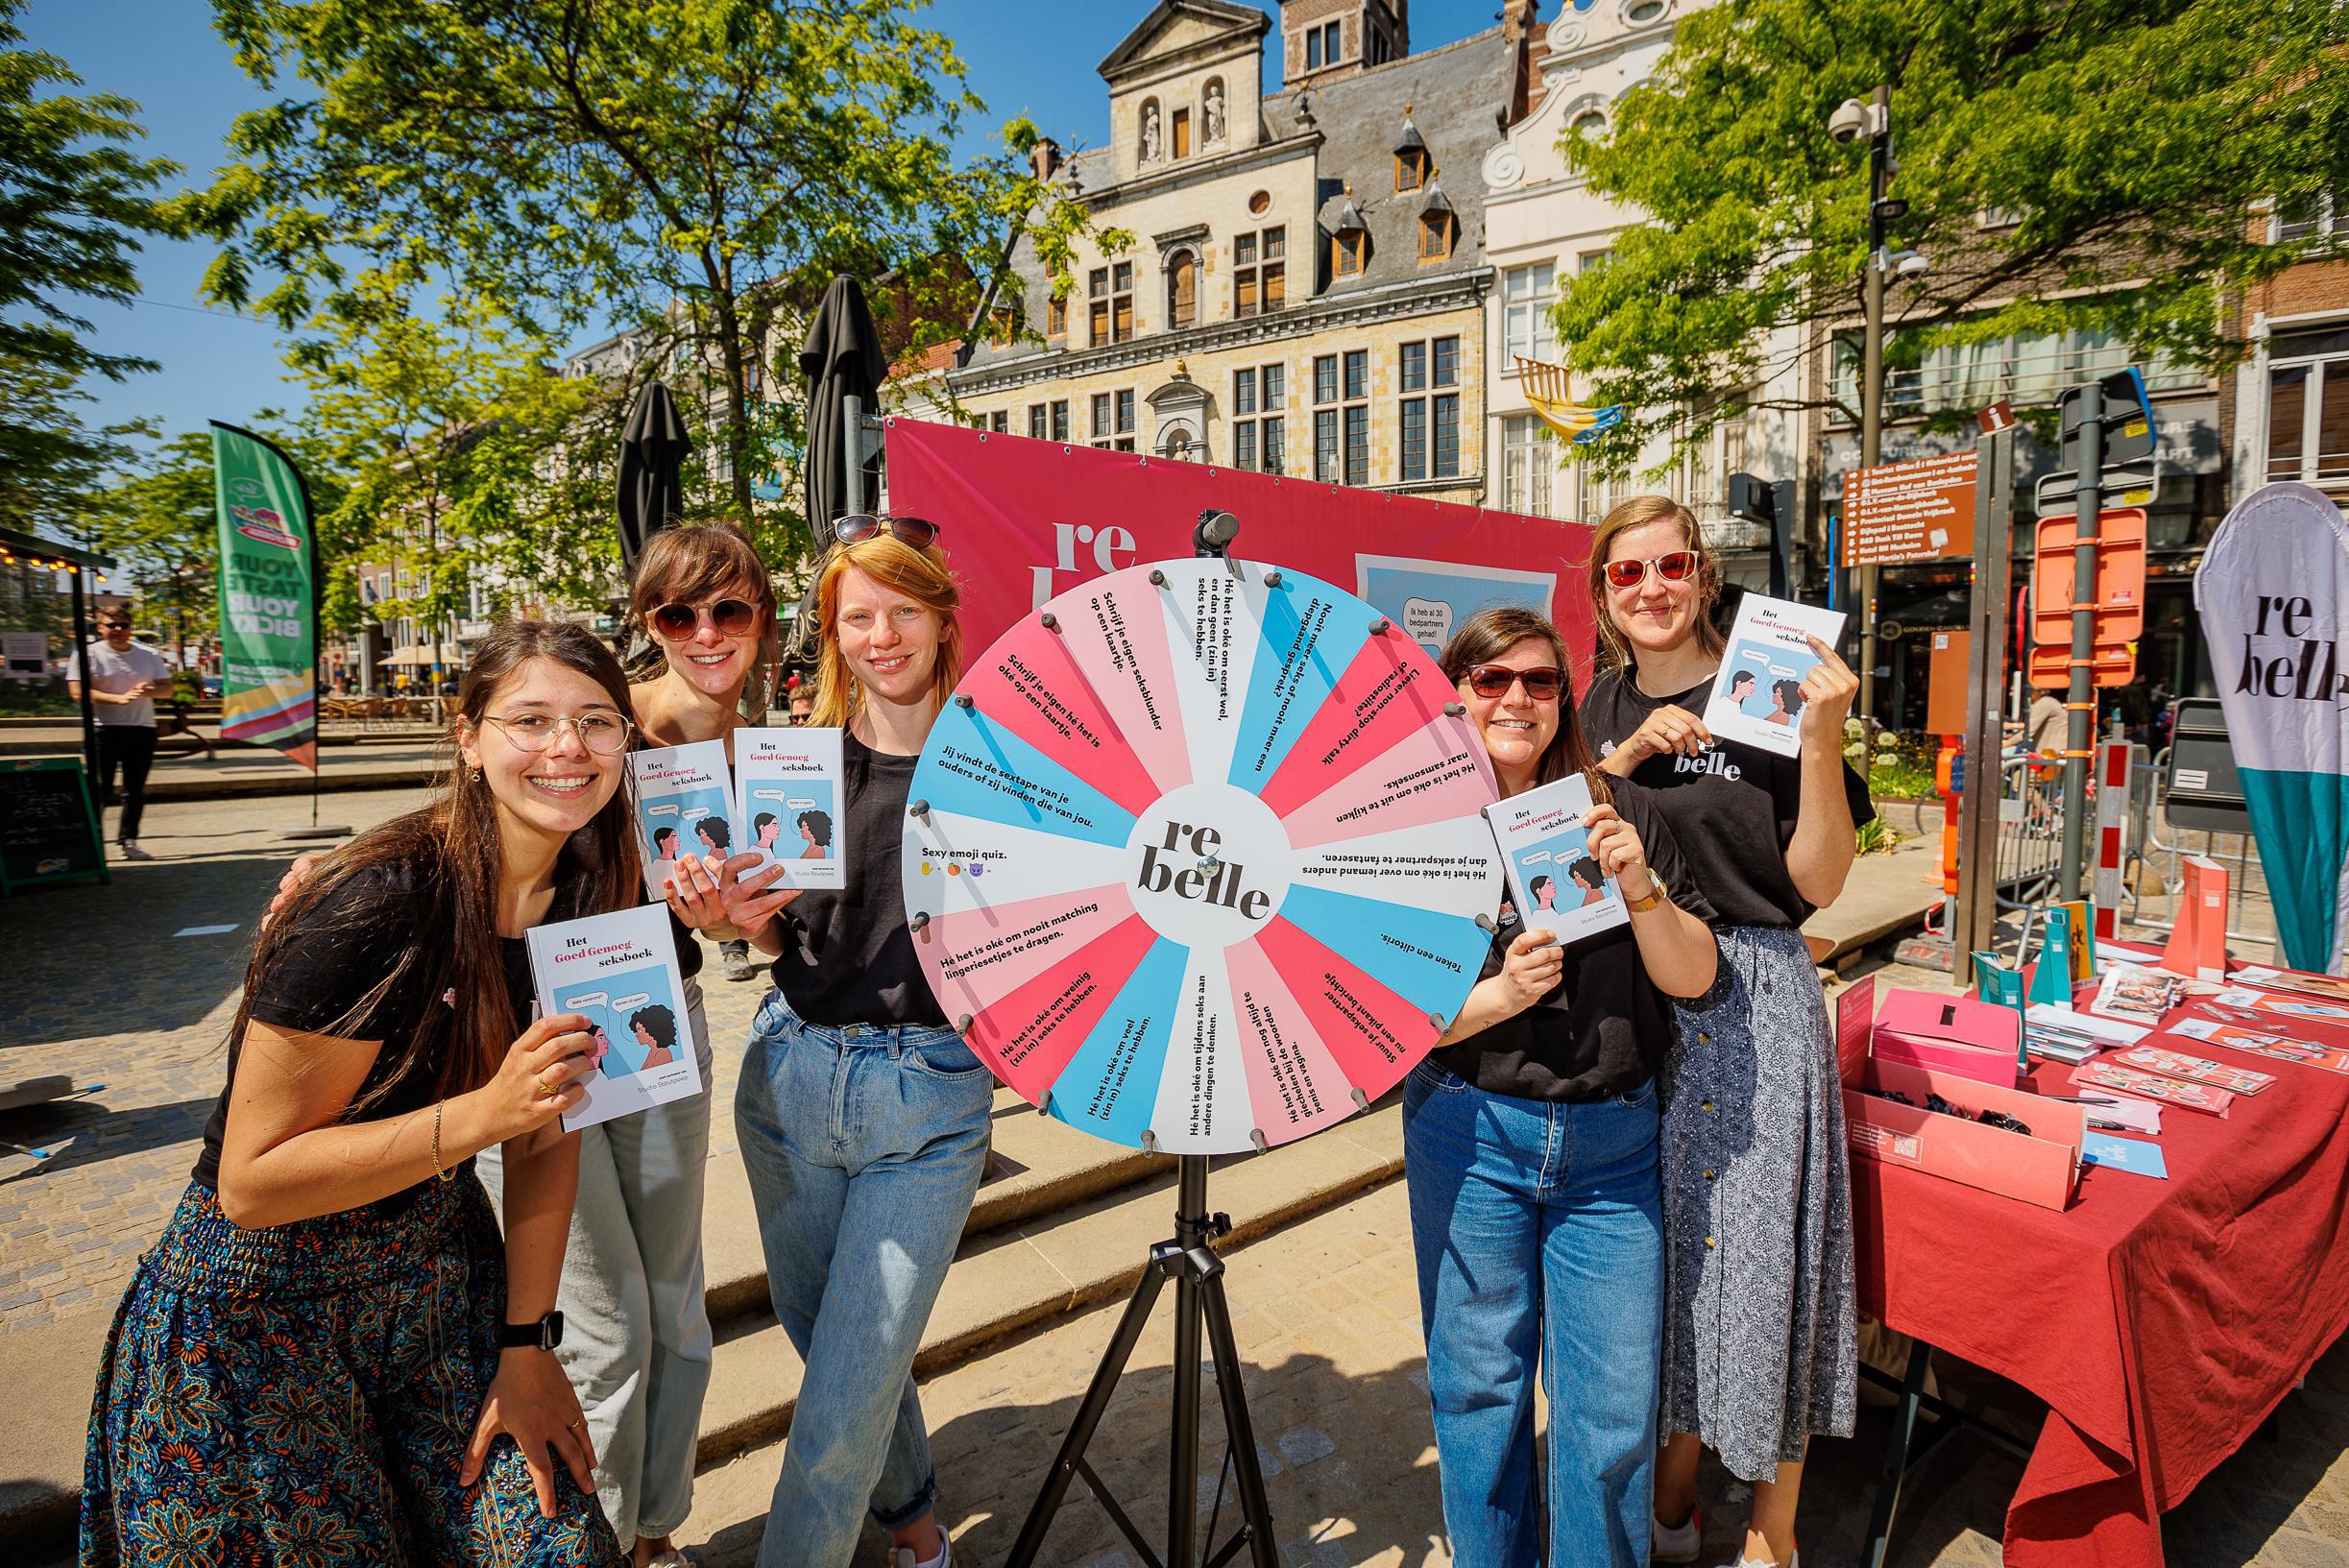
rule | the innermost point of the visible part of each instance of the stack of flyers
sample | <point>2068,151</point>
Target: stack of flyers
<point>2130,1080</point>
<point>2274,1047</point>
<point>620,972</point>
<point>2176,1064</point>
<point>1553,881</point>
<point>2242,999</point>
<point>787,796</point>
<point>2054,1042</point>
<point>2135,993</point>
<point>1757,697</point>
<point>2325,987</point>
<point>684,806</point>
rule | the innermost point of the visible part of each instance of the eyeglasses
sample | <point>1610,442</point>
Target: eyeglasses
<point>606,735</point>
<point>1541,685</point>
<point>859,526</point>
<point>732,618</point>
<point>1674,566</point>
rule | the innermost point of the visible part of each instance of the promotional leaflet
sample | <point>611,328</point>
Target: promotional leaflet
<point>787,797</point>
<point>684,806</point>
<point>2128,1154</point>
<point>2243,999</point>
<point>2327,987</point>
<point>619,972</point>
<point>1553,881</point>
<point>1757,697</point>
<point>2273,1046</point>
<point>2130,1080</point>
<point>2176,1064</point>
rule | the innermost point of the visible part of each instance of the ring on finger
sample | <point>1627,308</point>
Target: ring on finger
<point>547,1090</point>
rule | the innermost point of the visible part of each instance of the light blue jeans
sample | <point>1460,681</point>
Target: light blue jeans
<point>1539,1231</point>
<point>864,1145</point>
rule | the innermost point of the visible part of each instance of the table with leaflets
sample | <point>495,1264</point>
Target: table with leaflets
<point>2162,1322</point>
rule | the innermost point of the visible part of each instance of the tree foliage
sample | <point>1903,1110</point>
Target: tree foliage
<point>73,202</point>
<point>689,173</point>
<point>2136,142</point>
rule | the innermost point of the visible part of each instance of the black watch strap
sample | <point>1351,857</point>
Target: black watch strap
<point>544,1335</point>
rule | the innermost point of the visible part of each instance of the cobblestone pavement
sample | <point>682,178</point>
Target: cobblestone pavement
<point>100,987</point>
<point>1327,1315</point>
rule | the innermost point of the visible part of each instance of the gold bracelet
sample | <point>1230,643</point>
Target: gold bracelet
<point>436,1142</point>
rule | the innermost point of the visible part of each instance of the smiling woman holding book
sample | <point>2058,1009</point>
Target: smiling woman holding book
<point>331,1343</point>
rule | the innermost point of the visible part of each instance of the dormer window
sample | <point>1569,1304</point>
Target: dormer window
<point>1412,167</point>
<point>1438,229</point>
<point>1348,253</point>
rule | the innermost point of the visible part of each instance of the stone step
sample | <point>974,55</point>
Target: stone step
<point>1011,1277</point>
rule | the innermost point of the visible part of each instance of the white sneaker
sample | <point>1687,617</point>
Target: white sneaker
<point>902,1556</point>
<point>1668,1544</point>
<point>1794,1559</point>
<point>131,851</point>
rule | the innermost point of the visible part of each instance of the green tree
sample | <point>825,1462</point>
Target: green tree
<point>73,202</point>
<point>688,172</point>
<point>2135,142</point>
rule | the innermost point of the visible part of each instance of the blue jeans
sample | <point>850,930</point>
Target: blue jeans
<point>864,1145</point>
<point>1539,1231</point>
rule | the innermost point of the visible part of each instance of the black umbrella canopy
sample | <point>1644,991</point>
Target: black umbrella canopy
<point>652,453</point>
<point>841,359</point>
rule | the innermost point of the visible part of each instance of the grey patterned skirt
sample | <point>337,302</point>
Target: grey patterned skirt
<point>1760,1347</point>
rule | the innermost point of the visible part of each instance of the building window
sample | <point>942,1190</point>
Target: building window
<point>1341,417</point>
<point>1182,291</point>
<point>1258,430</point>
<point>2031,369</point>
<point>1182,122</point>
<point>1056,317</point>
<point>1331,47</point>
<point>1527,461</point>
<point>1100,418</point>
<point>999,422</point>
<point>1348,252</point>
<point>1260,203</point>
<point>1591,122</point>
<point>2308,407</point>
<point>1411,169</point>
<point>1427,374</point>
<point>2312,217</point>
<point>1039,425</point>
<point>1110,292</point>
<point>1435,236</point>
<point>1590,261</point>
<point>1259,271</point>
<point>1060,418</point>
<point>1528,294</point>
<point>1322,46</point>
<point>1113,419</point>
<point>1125,419</point>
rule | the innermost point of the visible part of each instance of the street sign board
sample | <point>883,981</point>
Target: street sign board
<point>2119,602</point>
<point>1944,683</point>
<point>1916,510</point>
<point>2127,418</point>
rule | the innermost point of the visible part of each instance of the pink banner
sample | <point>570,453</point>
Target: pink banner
<point>1023,521</point>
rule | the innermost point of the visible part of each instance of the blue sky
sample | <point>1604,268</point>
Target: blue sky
<point>1036,57</point>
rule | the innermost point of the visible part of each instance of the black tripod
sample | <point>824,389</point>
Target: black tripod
<point>1197,1273</point>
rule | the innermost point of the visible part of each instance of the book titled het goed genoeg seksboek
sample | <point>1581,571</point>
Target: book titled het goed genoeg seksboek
<point>1553,879</point>
<point>684,806</point>
<point>787,796</point>
<point>1757,696</point>
<point>620,972</point>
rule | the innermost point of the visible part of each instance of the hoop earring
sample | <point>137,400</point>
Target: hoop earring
<point>476,774</point>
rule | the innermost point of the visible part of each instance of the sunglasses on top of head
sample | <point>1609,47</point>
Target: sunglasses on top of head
<point>1673,566</point>
<point>732,618</point>
<point>920,533</point>
<point>1542,684</point>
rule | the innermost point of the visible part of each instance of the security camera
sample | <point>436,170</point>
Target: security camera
<point>1849,123</point>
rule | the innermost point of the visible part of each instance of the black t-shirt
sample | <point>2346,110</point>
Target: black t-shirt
<point>847,956</point>
<point>1603,1028</point>
<point>1732,807</point>
<point>336,951</point>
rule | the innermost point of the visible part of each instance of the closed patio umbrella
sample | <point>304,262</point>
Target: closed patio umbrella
<point>652,453</point>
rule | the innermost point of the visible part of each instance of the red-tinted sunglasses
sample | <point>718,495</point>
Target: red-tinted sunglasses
<point>1542,684</point>
<point>733,617</point>
<point>1674,566</point>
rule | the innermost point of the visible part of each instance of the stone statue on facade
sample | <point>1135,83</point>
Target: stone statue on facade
<point>1149,133</point>
<point>1214,112</point>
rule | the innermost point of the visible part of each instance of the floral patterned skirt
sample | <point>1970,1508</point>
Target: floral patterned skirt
<point>304,1394</point>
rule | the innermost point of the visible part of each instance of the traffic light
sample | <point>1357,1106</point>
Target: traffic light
<point>1771,505</point>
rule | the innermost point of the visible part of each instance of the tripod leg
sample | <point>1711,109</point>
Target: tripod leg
<point>1183,1462</point>
<point>1089,1413</point>
<point>1256,1511</point>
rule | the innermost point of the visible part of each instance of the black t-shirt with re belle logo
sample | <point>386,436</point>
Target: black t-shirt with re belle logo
<point>1732,808</point>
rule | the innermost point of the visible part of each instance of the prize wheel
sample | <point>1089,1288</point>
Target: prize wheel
<point>1194,857</point>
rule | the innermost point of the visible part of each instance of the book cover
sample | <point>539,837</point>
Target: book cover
<point>787,797</point>
<point>1553,882</point>
<point>2051,977</point>
<point>620,972</point>
<point>684,806</point>
<point>2135,995</point>
<point>1757,697</point>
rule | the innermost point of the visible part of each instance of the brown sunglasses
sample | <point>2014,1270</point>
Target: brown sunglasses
<point>1673,566</point>
<point>733,617</point>
<point>1541,685</point>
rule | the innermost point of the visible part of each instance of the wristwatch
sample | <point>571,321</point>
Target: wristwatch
<point>544,1335</point>
<point>1656,896</point>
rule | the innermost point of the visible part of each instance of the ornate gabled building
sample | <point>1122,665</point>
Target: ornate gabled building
<point>1304,290</point>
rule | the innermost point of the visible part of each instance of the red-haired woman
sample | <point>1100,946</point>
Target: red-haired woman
<point>331,1344</point>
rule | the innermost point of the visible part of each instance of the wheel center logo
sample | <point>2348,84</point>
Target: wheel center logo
<point>1208,865</point>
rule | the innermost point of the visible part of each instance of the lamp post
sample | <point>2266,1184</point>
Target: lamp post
<point>1849,122</point>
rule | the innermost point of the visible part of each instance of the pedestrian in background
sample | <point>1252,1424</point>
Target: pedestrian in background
<point>125,677</point>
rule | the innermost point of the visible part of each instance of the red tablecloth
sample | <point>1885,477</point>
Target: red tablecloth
<point>2160,1321</point>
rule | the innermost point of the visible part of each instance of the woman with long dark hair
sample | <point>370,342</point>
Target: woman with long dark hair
<point>1529,1138</point>
<point>330,1345</point>
<point>1760,1348</point>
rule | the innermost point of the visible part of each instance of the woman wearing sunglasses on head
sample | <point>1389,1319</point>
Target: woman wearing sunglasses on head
<point>1759,1341</point>
<point>1528,1139</point>
<point>330,1345</point>
<point>862,1117</point>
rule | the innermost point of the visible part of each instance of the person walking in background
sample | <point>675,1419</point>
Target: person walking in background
<point>1760,1330</point>
<point>124,677</point>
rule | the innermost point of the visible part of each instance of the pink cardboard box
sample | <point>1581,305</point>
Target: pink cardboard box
<point>1959,1035</point>
<point>2042,1167</point>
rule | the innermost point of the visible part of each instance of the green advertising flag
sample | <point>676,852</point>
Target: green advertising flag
<point>268,596</point>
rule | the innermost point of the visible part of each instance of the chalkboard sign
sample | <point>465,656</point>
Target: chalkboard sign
<point>48,828</point>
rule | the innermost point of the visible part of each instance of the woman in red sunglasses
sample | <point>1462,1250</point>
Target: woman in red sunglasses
<point>1759,1332</point>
